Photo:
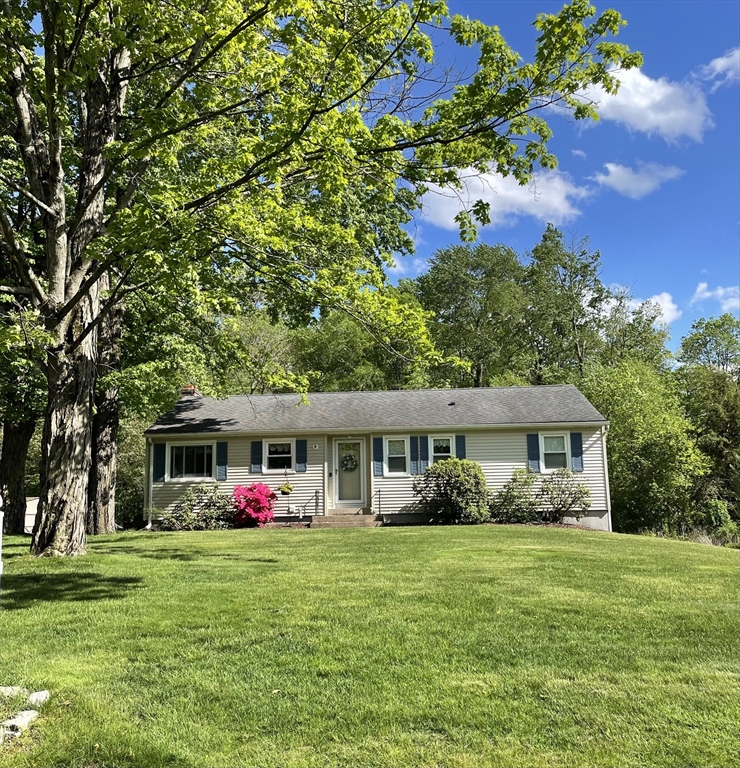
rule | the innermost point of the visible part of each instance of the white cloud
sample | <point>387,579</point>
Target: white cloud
<point>728,298</point>
<point>579,153</point>
<point>636,184</point>
<point>406,266</point>
<point>722,70</point>
<point>669,310</point>
<point>664,107</point>
<point>551,197</point>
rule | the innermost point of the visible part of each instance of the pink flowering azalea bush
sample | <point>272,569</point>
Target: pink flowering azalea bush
<point>253,505</point>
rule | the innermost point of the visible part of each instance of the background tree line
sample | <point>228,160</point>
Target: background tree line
<point>499,318</point>
<point>496,318</point>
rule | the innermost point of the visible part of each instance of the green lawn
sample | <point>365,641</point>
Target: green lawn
<point>486,646</point>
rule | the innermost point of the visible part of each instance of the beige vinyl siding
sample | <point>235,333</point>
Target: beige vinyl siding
<point>305,484</point>
<point>594,474</point>
<point>396,493</point>
<point>500,452</point>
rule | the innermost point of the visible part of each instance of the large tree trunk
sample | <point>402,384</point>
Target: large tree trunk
<point>65,460</point>
<point>102,490</point>
<point>16,439</point>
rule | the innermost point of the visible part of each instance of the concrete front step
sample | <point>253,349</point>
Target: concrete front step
<point>349,512</point>
<point>347,521</point>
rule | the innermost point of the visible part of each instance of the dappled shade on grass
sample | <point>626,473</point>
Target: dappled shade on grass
<point>25,590</point>
<point>379,647</point>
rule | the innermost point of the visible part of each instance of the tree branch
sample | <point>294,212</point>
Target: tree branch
<point>117,294</point>
<point>18,255</point>
<point>43,206</point>
<point>190,71</point>
<point>19,290</point>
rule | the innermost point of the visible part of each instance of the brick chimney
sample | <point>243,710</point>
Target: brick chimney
<point>190,390</point>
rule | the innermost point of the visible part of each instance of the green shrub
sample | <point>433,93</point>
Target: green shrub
<point>455,491</point>
<point>718,523</point>
<point>517,501</point>
<point>561,495</point>
<point>201,508</point>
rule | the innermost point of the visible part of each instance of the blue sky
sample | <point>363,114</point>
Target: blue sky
<point>654,184</point>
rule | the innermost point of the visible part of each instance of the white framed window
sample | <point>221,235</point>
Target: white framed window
<point>191,461</point>
<point>441,447</point>
<point>278,456</point>
<point>554,451</point>
<point>396,455</point>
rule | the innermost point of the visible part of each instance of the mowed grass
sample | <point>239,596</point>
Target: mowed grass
<point>486,646</point>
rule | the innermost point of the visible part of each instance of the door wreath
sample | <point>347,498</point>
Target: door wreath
<point>349,462</point>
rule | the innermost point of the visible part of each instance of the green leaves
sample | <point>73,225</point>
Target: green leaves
<point>654,464</point>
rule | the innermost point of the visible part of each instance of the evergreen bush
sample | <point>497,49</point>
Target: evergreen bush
<point>559,495</point>
<point>517,501</point>
<point>455,491</point>
<point>201,508</point>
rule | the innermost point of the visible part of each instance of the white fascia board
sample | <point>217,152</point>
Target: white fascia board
<point>540,425</point>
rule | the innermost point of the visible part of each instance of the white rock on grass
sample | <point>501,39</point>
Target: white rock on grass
<point>38,698</point>
<point>16,725</point>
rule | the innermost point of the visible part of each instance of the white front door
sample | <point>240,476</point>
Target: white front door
<point>349,472</point>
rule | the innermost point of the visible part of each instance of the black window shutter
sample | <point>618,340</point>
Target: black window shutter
<point>576,451</point>
<point>533,452</point>
<point>460,446</point>
<point>301,455</point>
<point>423,453</point>
<point>222,461</point>
<point>160,460</point>
<point>257,457</point>
<point>414,440</point>
<point>378,456</point>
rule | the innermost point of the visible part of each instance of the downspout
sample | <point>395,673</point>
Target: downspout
<point>150,481</point>
<point>604,431</point>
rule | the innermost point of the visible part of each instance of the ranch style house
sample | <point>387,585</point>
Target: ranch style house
<point>358,452</point>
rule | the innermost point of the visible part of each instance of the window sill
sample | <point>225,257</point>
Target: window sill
<point>188,480</point>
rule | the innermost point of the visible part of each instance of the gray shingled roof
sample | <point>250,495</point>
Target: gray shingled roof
<point>327,411</point>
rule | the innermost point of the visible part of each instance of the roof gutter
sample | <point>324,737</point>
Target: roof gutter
<point>371,430</point>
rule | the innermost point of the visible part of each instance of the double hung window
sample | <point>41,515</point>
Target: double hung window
<point>441,448</point>
<point>397,455</point>
<point>554,449</point>
<point>279,456</point>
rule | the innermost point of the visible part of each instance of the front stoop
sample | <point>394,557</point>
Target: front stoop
<point>347,520</point>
